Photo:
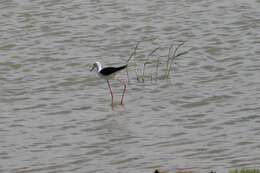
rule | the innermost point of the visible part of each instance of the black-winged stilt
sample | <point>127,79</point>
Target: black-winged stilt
<point>108,73</point>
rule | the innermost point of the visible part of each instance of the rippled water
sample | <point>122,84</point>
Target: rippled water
<point>56,115</point>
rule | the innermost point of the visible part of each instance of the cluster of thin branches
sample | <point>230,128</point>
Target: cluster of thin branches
<point>156,61</point>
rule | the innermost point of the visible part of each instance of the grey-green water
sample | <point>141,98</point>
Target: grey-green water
<point>55,116</point>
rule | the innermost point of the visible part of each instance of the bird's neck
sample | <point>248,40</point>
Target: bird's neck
<point>99,67</point>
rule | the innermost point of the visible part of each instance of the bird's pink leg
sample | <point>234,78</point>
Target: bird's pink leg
<point>111,93</point>
<point>122,98</point>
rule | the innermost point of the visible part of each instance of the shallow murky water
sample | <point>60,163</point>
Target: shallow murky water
<point>56,115</point>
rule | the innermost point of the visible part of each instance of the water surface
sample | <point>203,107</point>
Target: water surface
<point>56,115</point>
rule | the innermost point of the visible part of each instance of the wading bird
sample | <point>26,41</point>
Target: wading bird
<point>108,73</point>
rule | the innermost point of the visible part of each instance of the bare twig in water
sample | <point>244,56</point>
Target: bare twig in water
<point>134,52</point>
<point>136,70</point>
<point>169,56</point>
<point>182,53</point>
<point>147,62</point>
<point>174,56</point>
<point>154,51</point>
<point>127,62</point>
<point>157,62</point>
<point>157,67</point>
<point>182,43</point>
<point>155,59</point>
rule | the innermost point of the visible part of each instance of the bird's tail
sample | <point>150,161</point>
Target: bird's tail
<point>122,67</point>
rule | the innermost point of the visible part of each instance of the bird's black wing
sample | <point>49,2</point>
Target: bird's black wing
<point>110,70</point>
